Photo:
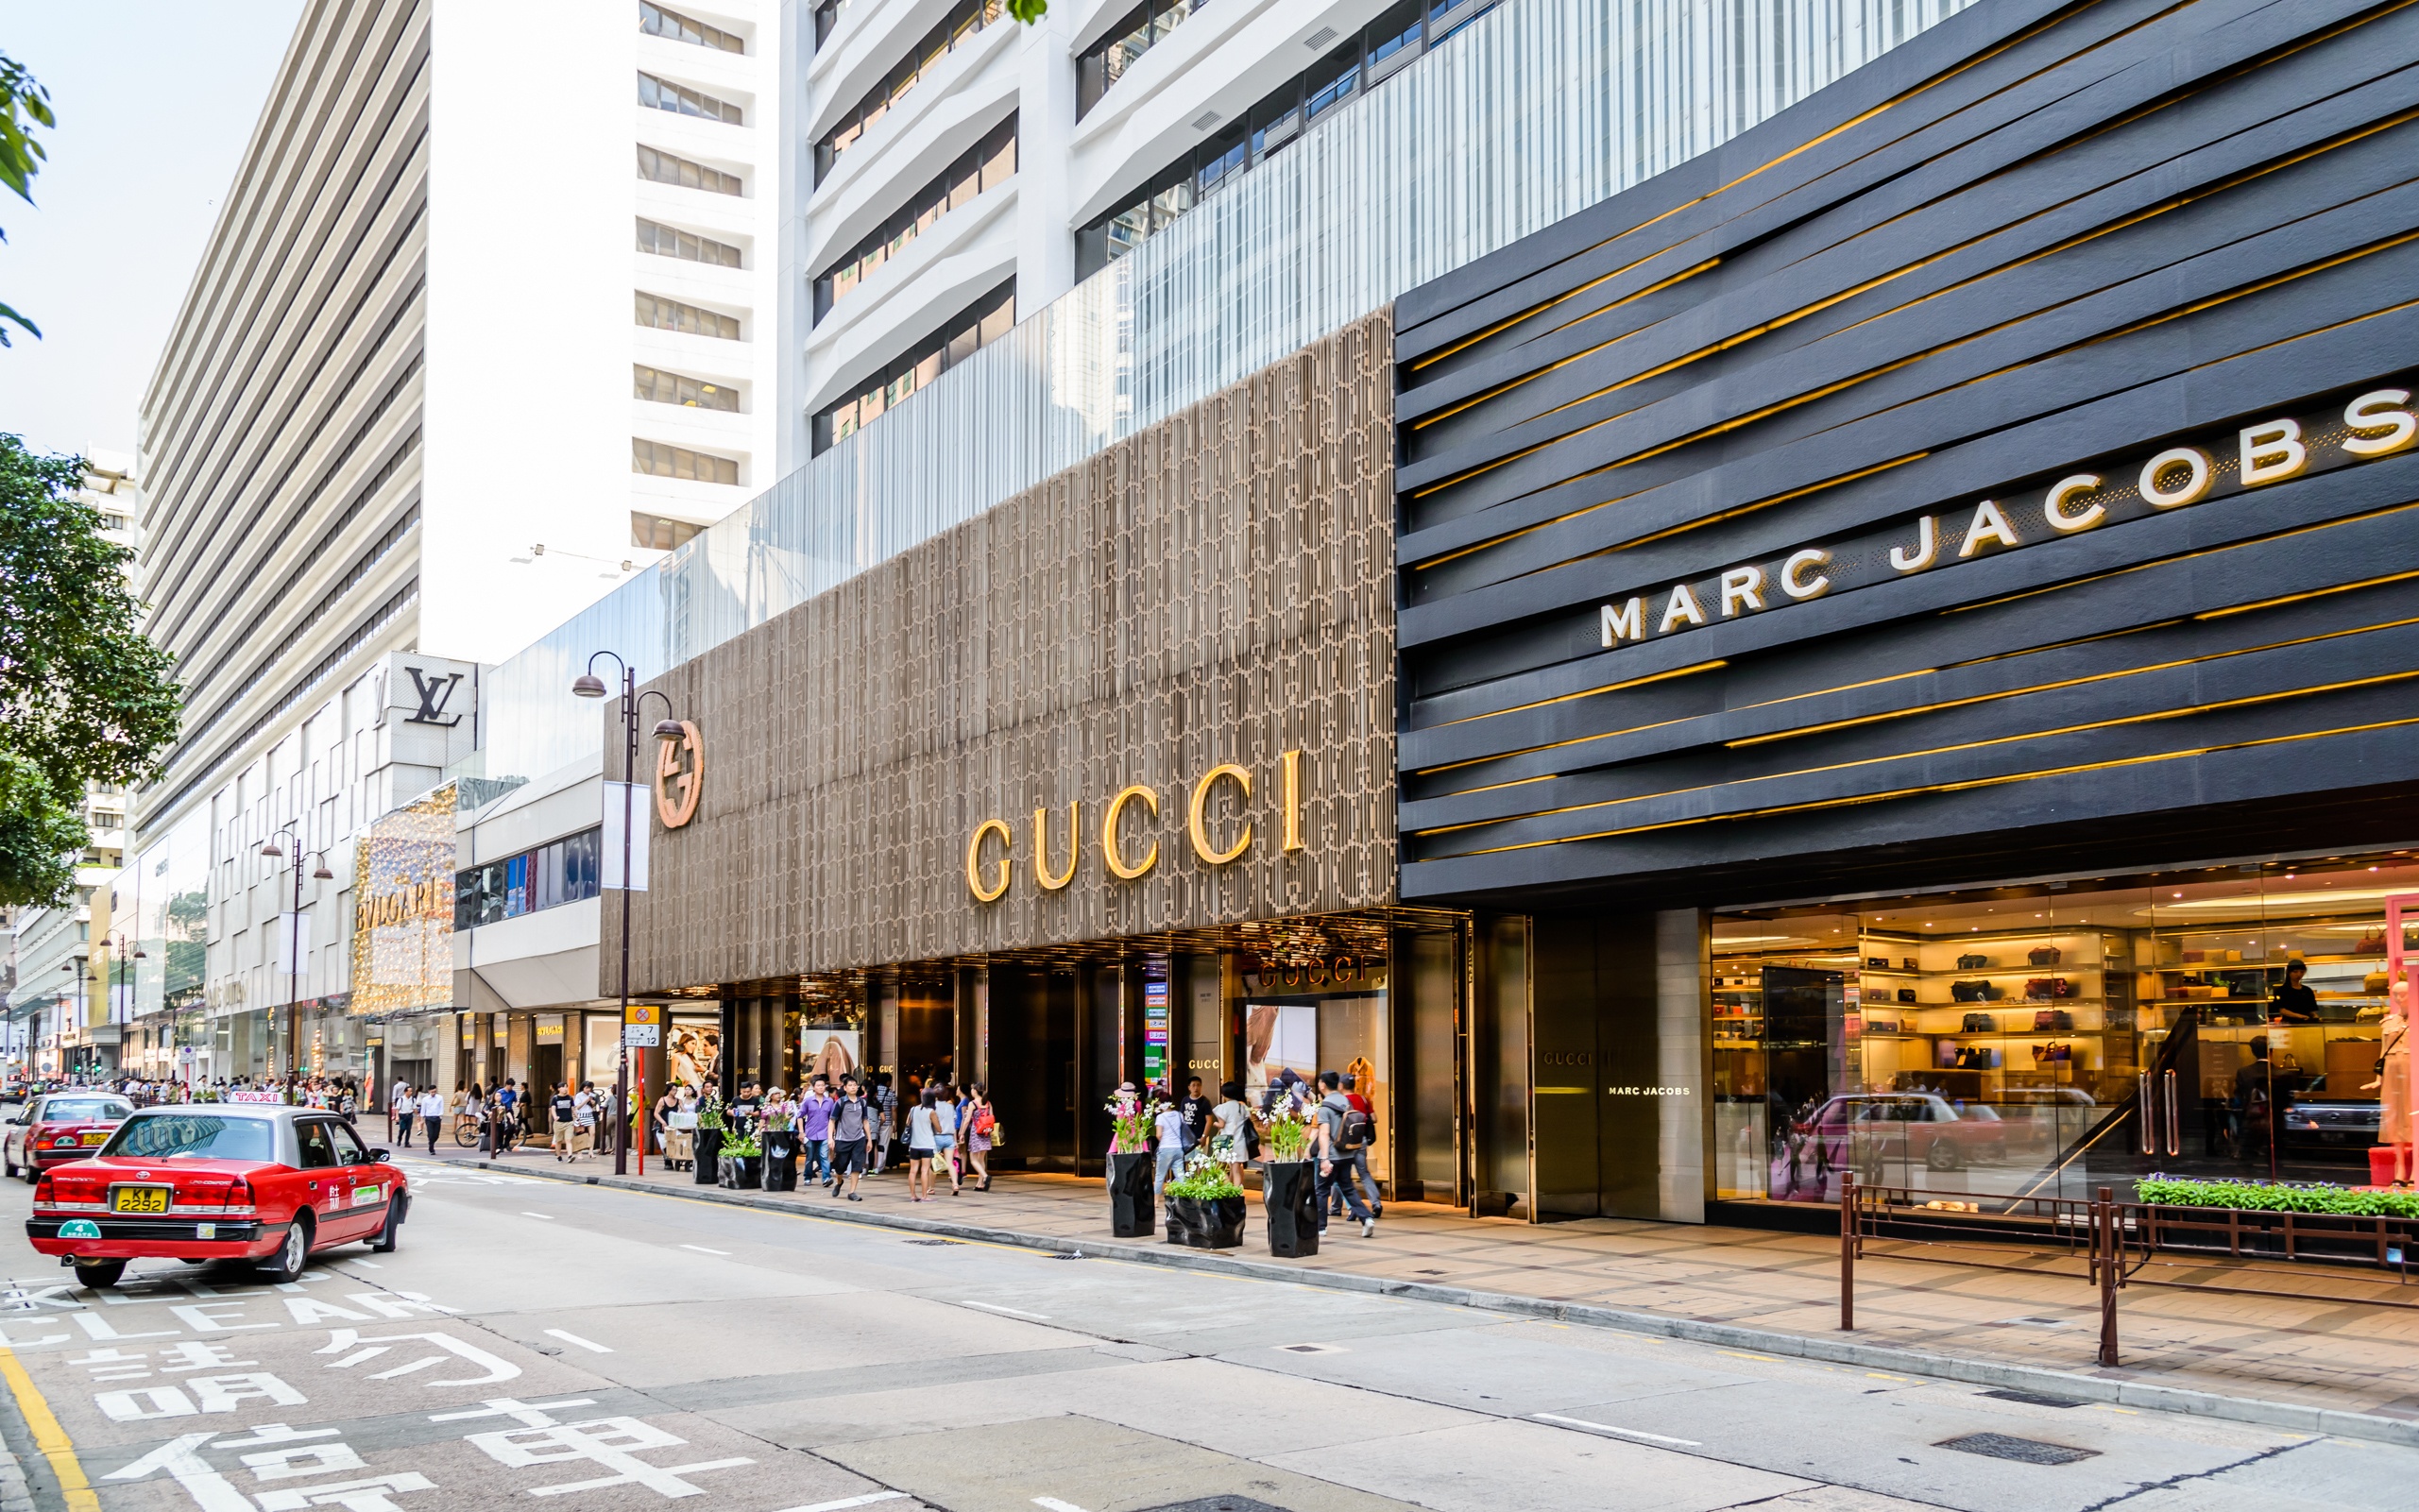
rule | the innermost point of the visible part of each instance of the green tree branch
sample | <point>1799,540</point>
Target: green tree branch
<point>25,105</point>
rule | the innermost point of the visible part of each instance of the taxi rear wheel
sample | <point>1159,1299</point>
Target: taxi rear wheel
<point>286,1264</point>
<point>99,1272</point>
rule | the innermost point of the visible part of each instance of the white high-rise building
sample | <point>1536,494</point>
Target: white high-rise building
<point>495,313</point>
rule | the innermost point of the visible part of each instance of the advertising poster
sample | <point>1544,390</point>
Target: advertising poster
<point>695,1047</point>
<point>831,1053</point>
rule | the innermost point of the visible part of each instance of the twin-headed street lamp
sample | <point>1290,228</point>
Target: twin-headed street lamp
<point>293,966</point>
<point>588,685</point>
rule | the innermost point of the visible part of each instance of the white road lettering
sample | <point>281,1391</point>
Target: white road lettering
<point>202,1318</point>
<point>344,1339</point>
<point>1013,1312</point>
<point>210,1491</point>
<point>99,1327</point>
<point>847,1502</point>
<point>573,1338</point>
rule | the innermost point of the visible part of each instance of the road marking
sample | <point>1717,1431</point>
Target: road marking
<point>369,1265</point>
<point>573,1338</point>
<point>992,1307</point>
<point>1619,1433</point>
<point>846,1502</point>
<point>50,1437</point>
<point>1741,1354</point>
<point>703,1250</point>
<point>548,1216</point>
<point>1051,1504</point>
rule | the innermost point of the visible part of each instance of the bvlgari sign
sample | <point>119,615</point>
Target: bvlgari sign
<point>2378,423</point>
<point>991,850</point>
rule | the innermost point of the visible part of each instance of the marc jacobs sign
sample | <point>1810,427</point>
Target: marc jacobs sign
<point>991,851</point>
<point>2378,423</point>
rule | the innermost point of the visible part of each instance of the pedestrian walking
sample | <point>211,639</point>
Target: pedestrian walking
<point>884,1105</point>
<point>560,1137</point>
<point>1340,1132</point>
<point>1167,1135</point>
<point>851,1124</point>
<point>981,1126</point>
<point>1235,1131</point>
<point>1196,1109</point>
<point>814,1132</point>
<point>1369,1141</point>
<point>946,1124</point>
<point>431,1114</point>
<point>398,1114</point>
<point>584,1121</point>
<point>919,1148</point>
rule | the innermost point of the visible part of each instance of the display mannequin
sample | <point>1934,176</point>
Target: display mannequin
<point>2394,1082</point>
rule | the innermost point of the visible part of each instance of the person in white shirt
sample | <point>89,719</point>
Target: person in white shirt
<point>431,1114</point>
<point>584,1121</point>
<point>1168,1129</point>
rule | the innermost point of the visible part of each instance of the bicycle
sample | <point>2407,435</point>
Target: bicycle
<point>465,1130</point>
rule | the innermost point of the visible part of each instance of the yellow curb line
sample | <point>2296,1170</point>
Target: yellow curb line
<point>48,1436</point>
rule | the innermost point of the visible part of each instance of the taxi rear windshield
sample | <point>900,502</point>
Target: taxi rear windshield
<point>63,1111</point>
<point>193,1136</point>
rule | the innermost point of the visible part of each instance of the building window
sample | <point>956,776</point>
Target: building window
<point>988,164</point>
<point>562,872</point>
<point>657,460</point>
<point>984,322</point>
<point>654,385</point>
<point>668,241</point>
<point>1344,73</point>
<point>661,313</point>
<point>656,22</point>
<point>1140,30</point>
<point>662,95</point>
<point>827,16</point>
<point>653,533</point>
<point>955,31</point>
<point>662,167</point>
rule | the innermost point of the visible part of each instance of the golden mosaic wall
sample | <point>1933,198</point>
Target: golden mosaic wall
<point>1219,588</point>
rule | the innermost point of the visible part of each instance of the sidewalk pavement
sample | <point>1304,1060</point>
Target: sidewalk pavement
<point>2291,1362</point>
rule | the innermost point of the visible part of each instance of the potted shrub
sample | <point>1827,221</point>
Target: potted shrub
<point>1204,1206</point>
<point>780,1140</point>
<point>1131,1170</point>
<point>743,1162</point>
<point>1289,1188</point>
<point>707,1167</point>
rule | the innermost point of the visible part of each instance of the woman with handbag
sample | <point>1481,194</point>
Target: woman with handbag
<point>1235,1137</point>
<point>979,1124</point>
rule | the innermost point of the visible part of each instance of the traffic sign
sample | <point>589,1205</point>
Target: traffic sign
<point>643,1014</point>
<point>643,1036</point>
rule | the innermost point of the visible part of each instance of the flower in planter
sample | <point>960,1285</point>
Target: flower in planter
<point>1287,1137</point>
<point>1202,1180</point>
<point>741,1146</point>
<point>710,1110</point>
<point>1133,1116</point>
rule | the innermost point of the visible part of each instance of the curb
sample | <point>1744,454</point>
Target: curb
<point>2109,1389</point>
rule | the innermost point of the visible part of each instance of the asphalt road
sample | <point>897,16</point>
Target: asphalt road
<point>538,1344</point>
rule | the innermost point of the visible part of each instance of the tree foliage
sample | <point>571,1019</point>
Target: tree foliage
<point>25,105</point>
<point>83,696</point>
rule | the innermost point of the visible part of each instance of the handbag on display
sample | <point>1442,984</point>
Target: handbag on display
<point>1973,964</point>
<point>2371,943</point>
<point>1906,994</point>
<point>2048,987</point>
<point>2053,1020</point>
<point>1909,964</point>
<point>1979,1024</point>
<point>2053,1052</point>
<point>1877,964</point>
<point>1881,1026</point>
<point>1969,992</point>
<point>2044,956</point>
<point>1977,1058</point>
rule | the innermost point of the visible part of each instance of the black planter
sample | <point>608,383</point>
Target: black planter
<point>707,1168</point>
<point>781,1163</point>
<point>743,1173</point>
<point>1289,1191</point>
<point>1132,1210</point>
<point>1212,1223</point>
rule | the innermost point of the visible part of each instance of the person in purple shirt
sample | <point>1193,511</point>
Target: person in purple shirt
<point>814,1130</point>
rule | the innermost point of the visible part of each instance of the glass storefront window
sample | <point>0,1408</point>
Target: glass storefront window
<point>2045,1039</point>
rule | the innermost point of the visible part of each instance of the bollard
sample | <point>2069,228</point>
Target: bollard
<point>1848,1251</point>
<point>2109,1255</point>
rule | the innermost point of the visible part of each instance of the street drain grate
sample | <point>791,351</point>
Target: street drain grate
<point>1217,1504</point>
<point>2023,1451</point>
<point>1077,1255</point>
<point>934,1241</point>
<point>2031,1399</point>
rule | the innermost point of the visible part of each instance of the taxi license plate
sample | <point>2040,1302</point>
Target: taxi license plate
<point>139,1199</point>
<point>96,1136</point>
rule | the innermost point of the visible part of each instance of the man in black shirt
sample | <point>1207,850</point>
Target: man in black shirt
<point>2295,1002</point>
<point>2257,1090</point>
<point>1196,1110</point>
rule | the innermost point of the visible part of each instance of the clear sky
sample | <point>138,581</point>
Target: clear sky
<point>156,100</point>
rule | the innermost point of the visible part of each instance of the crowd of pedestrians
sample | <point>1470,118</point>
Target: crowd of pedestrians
<point>1339,1124</point>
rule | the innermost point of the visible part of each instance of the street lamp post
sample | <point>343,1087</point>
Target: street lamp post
<point>115,948</point>
<point>83,1052</point>
<point>588,685</point>
<point>294,961</point>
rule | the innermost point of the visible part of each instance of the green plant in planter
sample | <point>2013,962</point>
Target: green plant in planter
<point>743,1146</point>
<point>1288,1137</point>
<point>710,1110</point>
<point>779,1119</point>
<point>1202,1180</point>
<point>2276,1196</point>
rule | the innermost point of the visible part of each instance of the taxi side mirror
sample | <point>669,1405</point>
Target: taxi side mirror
<point>378,1154</point>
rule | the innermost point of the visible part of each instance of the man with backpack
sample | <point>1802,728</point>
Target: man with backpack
<point>1369,1141</point>
<point>1342,1135</point>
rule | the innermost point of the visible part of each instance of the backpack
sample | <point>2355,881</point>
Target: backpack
<point>1355,1130</point>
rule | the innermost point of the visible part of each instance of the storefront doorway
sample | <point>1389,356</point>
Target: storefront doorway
<point>2050,1038</point>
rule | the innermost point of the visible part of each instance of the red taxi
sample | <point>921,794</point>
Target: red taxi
<point>210,1181</point>
<point>60,1126</point>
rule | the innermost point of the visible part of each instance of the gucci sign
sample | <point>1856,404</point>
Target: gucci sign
<point>990,867</point>
<point>680,776</point>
